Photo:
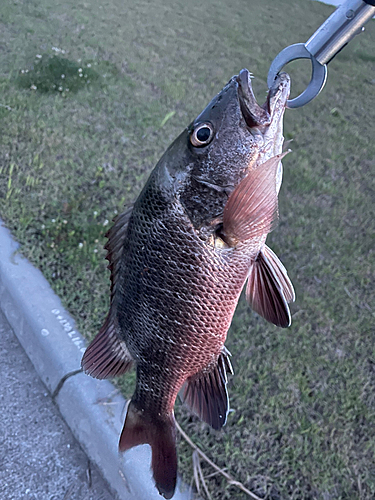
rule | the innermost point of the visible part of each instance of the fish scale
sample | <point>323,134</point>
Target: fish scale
<point>191,302</point>
<point>179,259</point>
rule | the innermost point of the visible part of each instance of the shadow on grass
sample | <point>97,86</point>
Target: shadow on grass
<point>53,73</point>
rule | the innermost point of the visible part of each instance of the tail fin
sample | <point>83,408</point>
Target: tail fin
<point>160,434</point>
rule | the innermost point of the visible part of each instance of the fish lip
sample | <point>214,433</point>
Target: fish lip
<point>275,104</point>
<point>254,115</point>
<point>262,116</point>
<point>278,95</point>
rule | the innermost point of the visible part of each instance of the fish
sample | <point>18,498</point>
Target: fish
<point>179,258</point>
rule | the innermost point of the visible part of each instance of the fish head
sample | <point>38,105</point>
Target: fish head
<point>231,136</point>
<point>234,132</point>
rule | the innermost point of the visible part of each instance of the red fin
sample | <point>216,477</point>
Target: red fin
<point>281,273</point>
<point>106,356</point>
<point>116,237</point>
<point>265,294</point>
<point>251,209</point>
<point>160,434</point>
<point>206,392</point>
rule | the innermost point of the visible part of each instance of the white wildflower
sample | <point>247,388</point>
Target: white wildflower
<point>95,213</point>
<point>88,65</point>
<point>65,221</point>
<point>60,89</point>
<point>39,56</point>
<point>62,77</point>
<point>95,250</point>
<point>33,87</point>
<point>105,223</point>
<point>79,70</point>
<point>80,245</point>
<point>43,226</point>
<point>53,220</point>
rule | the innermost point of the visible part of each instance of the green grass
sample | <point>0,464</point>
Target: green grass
<point>53,73</point>
<point>303,399</point>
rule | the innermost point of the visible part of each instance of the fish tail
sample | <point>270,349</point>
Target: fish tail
<point>141,427</point>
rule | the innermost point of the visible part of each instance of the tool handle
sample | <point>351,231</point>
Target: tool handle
<point>347,21</point>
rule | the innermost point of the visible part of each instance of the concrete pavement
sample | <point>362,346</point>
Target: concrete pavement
<point>39,457</point>
<point>92,409</point>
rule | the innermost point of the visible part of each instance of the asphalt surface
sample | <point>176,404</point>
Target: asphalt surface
<point>39,457</point>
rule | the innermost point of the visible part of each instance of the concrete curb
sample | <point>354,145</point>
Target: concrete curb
<point>93,409</point>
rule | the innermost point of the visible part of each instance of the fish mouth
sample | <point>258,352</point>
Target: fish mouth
<point>261,117</point>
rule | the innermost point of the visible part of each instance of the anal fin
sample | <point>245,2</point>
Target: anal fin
<point>106,356</point>
<point>269,289</point>
<point>206,392</point>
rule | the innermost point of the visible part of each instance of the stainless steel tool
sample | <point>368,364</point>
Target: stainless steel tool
<point>347,21</point>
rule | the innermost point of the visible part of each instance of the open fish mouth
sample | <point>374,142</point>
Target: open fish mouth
<point>257,116</point>
<point>266,122</point>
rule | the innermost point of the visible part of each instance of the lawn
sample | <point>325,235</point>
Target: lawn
<point>74,150</point>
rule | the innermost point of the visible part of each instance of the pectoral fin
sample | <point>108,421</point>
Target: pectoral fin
<point>281,273</point>
<point>252,208</point>
<point>269,289</point>
<point>206,392</point>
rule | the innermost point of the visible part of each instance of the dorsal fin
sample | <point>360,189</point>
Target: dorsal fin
<point>206,392</point>
<point>114,246</point>
<point>265,293</point>
<point>106,356</point>
<point>251,210</point>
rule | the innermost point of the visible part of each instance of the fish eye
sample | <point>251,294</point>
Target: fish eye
<point>202,134</point>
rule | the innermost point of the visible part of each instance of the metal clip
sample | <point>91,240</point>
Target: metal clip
<point>346,22</point>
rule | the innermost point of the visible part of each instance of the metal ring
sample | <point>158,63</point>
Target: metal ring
<point>318,77</point>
